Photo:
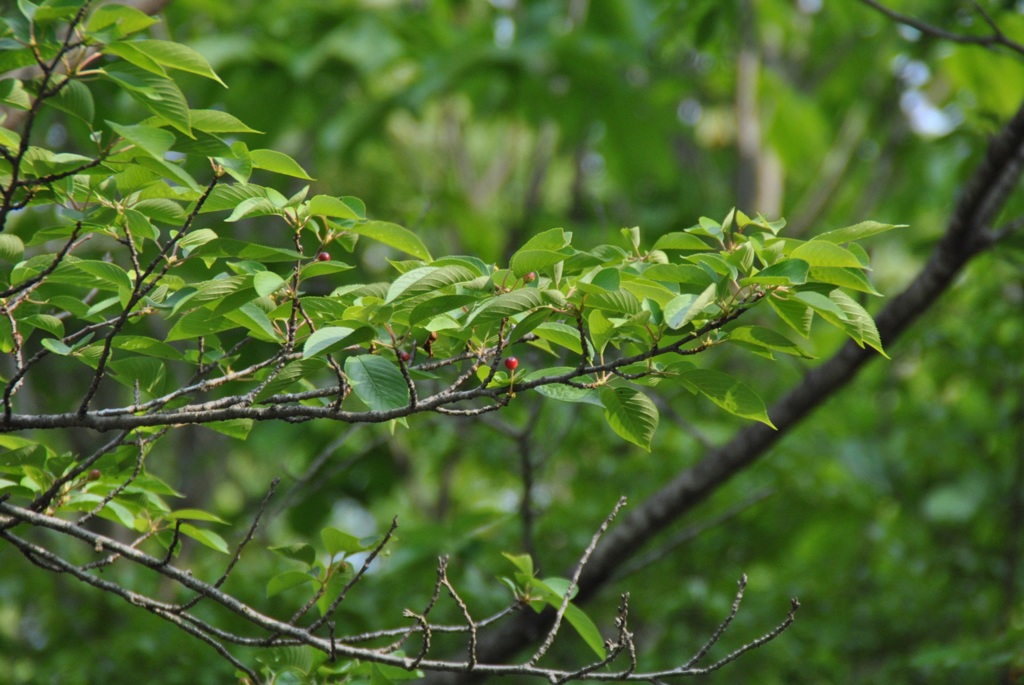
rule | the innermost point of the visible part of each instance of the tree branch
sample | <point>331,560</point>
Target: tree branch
<point>996,38</point>
<point>288,633</point>
<point>965,237</point>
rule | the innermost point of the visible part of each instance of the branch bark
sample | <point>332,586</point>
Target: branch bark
<point>968,233</point>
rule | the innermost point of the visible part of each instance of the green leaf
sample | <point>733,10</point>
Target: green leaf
<point>325,205</point>
<point>267,282</point>
<point>317,268</point>
<point>678,273</point>
<point>795,314</point>
<point>205,537</point>
<point>784,273</point>
<point>507,304</point>
<point>126,19</point>
<point>162,209</point>
<point>174,56</point>
<point>11,248</point>
<point>155,142</point>
<point>560,334</point>
<point>564,393</point>
<point>394,236</point>
<point>194,515</point>
<point>716,263</point>
<point>631,414</point>
<point>277,162</point>
<point>111,276</point>
<point>46,322</point>
<point>216,121</point>
<point>439,305</point>
<point>602,280</point>
<point>240,249</point>
<point>9,139</point>
<point>286,581</point>
<point>377,382</point>
<point>233,428</point>
<point>858,323</point>
<point>28,9</point>
<point>823,253</point>
<point>75,98</point>
<point>857,231</point>
<point>160,95</point>
<point>13,93</point>
<point>339,542</point>
<point>128,52</point>
<point>297,551</point>
<point>761,222</point>
<point>199,322</point>
<point>553,590</point>
<point>196,238</point>
<point>632,235</point>
<point>601,329</point>
<point>147,346</point>
<point>852,279</point>
<point>684,308</point>
<point>707,226</point>
<point>427,279</point>
<point>148,372</point>
<point>686,242</point>
<point>256,321</point>
<point>254,206</point>
<point>56,346</point>
<point>326,340</point>
<point>618,303</point>
<point>540,251</point>
<point>586,629</point>
<point>642,288</point>
<point>728,393</point>
<point>825,307</point>
<point>523,562</point>
<point>765,338</point>
<point>226,197</point>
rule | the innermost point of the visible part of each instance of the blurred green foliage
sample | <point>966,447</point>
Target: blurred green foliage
<point>894,514</point>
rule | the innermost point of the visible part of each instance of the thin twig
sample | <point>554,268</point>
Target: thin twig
<point>443,572</point>
<point>723,626</point>
<point>357,577</point>
<point>549,640</point>
<point>995,39</point>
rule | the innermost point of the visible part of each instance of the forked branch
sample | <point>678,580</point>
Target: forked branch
<point>265,631</point>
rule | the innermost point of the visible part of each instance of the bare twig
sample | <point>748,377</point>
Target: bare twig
<point>470,624</point>
<point>550,639</point>
<point>241,545</point>
<point>723,626</point>
<point>281,633</point>
<point>357,577</point>
<point>996,38</point>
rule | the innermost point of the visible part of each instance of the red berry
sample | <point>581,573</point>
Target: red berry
<point>403,355</point>
<point>323,257</point>
<point>530,277</point>
<point>95,474</point>
<point>511,363</point>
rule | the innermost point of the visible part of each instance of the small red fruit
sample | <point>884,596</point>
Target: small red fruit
<point>530,277</point>
<point>511,363</point>
<point>95,474</point>
<point>323,257</point>
<point>403,355</point>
